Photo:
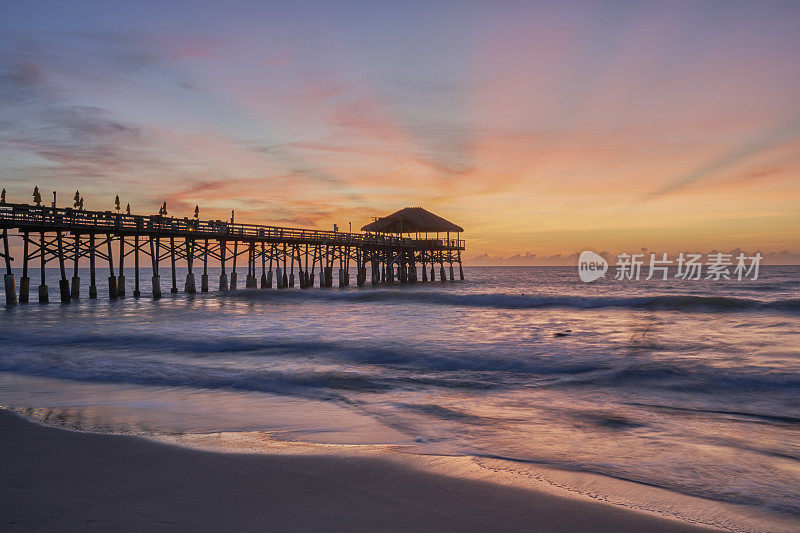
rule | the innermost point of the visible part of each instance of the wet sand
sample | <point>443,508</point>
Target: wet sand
<point>53,479</point>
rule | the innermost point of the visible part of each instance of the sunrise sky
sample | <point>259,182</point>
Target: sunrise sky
<point>542,128</point>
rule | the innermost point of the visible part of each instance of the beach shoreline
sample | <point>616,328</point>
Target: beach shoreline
<point>62,479</point>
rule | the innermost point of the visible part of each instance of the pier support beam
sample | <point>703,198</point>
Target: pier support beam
<point>136,290</point>
<point>63,283</point>
<point>252,282</point>
<point>279,278</point>
<point>75,286</point>
<point>92,272</point>
<point>263,266</point>
<point>11,289</point>
<point>442,275</point>
<point>63,287</point>
<point>190,287</point>
<point>112,279</point>
<point>24,281</point>
<point>8,278</point>
<point>155,253</point>
<point>44,294</point>
<point>174,288</point>
<point>223,277</point>
<point>24,289</point>
<point>233,270</point>
<point>112,287</point>
<point>204,277</point>
<point>156,280</point>
<point>121,276</point>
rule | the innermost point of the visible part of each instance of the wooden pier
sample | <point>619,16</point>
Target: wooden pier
<point>68,236</point>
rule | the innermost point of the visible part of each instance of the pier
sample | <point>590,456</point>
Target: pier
<point>393,249</point>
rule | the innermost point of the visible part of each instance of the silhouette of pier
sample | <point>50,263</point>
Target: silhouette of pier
<point>385,252</point>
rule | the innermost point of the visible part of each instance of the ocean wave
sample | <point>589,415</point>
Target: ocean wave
<point>681,302</point>
<point>685,377</point>
<point>384,369</point>
<point>131,347</point>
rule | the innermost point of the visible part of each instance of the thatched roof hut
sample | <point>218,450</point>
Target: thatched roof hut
<point>412,220</point>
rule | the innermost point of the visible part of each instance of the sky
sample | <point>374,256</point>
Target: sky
<point>542,128</point>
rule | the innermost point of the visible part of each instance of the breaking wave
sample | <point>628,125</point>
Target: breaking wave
<point>690,303</point>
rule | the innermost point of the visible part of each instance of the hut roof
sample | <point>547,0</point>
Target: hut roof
<point>412,220</point>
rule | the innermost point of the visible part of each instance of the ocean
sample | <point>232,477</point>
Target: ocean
<point>693,386</point>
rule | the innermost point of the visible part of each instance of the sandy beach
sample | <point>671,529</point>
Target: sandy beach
<point>55,479</point>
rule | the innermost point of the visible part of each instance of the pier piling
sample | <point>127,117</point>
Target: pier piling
<point>174,288</point>
<point>204,277</point>
<point>155,255</point>
<point>136,291</point>
<point>44,295</point>
<point>75,285</point>
<point>223,278</point>
<point>8,278</point>
<point>189,286</point>
<point>24,281</point>
<point>112,279</point>
<point>233,268</point>
<point>121,275</point>
<point>92,271</point>
<point>63,283</point>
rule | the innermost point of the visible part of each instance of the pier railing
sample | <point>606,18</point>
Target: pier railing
<point>37,218</point>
